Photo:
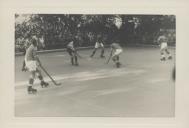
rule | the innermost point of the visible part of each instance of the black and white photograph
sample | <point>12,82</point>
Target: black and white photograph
<point>94,65</point>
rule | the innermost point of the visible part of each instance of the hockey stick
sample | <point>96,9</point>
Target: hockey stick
<point>47,73</point>
<point>109,58</point>
<point>78,54</point>
<point>55,83</point>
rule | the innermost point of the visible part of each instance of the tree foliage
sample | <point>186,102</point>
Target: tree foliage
<point>58,29</point>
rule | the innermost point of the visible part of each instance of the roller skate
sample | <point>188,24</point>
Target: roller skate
<point>170,57</point>
<point>163,59</point>
<point>31,90</point>
<point>44,84</point>
<point>118,64</point>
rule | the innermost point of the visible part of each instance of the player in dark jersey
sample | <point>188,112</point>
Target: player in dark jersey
<point>116,50</point>
<point>98,44</point>
<point>73,53</point>
<point>32,62</point>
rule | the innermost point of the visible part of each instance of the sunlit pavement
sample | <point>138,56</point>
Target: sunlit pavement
<point>142,87</point>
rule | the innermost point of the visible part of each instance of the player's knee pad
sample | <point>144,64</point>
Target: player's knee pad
<point>31,80</point>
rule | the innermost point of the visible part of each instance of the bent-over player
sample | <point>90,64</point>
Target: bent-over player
<point>32,62</point>
<point>116,50</point>
<point>162,41</point>
<point>73,53</point>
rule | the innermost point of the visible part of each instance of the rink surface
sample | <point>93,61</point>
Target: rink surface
<point>142,87</point>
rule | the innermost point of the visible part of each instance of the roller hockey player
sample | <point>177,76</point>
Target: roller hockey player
<point>32,62</point>
<point>162,41</point>
<point>98,44</point>
<point>116,50</point>
<point>73,53</point>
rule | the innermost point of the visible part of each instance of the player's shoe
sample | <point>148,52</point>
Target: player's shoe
<point>31,90</point>
<point>24,69</point>
<point>163,59</point>
<point>76,64</point>
<point>170,57</point>
<point>44,84</point>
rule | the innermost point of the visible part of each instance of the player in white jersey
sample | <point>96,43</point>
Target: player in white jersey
<point>116,50</point>
<point>32,62</point>
<point>162,41</point>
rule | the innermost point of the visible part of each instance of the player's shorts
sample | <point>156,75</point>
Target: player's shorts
<point>163,45</point>
<point>97,45</point>
<point>31,65</point>
<point>117,52</point>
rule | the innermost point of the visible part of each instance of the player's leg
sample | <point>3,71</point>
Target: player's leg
<point>31,66</point>
<point>116,57</point>
<point>24,66</point>
<point>40,77</point>
<point>168,53</point>
<point>116,60</point>
<point>71,55</point>
<point>162,54</point>
<point>93,53</point>
<point>30,89</point>
<point>24,63</point>
<point>75,59</point>
<point>102,53</point>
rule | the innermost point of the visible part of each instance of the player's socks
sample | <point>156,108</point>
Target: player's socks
<point>30,89</point>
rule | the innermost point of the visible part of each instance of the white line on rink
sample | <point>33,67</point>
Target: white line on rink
<point>88,75</point>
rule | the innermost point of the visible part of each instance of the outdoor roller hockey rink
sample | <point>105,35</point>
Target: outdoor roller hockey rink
<point>141,87</point>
